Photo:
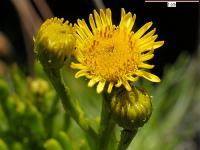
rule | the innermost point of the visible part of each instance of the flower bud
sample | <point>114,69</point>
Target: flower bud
<point>52,144</point>
<point>39,86</point>
<point>54,43</point>
<point>20,107</point>
<point>131,109</point>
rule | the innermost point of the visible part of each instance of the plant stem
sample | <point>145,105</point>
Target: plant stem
<point>71,106</point>
<point>106,125</point>
<point>126,138</point>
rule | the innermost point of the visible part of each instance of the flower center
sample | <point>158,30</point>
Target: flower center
<point>112,57</point>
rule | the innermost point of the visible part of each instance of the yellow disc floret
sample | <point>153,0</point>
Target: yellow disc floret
<point>114,54</point>
<point>54,42</point>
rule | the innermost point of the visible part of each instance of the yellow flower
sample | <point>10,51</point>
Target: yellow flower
<point>54,42</point>
<point>114,54</point>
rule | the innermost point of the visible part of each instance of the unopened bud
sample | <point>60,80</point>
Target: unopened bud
<point>39,86</point>
<point>131,109</point>
<point>54,43</point>
<point>52,144</point>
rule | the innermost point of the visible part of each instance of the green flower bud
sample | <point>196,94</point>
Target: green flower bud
<point>15,105</point>
<point>54,43</point>
<point>20,107</point>
<point>39,86</point>
<point>52,144</point>
<point>131,109</point>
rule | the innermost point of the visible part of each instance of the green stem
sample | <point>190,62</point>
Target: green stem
<point>126,138</point>
<point>106,125</point>
<point>71,106</point>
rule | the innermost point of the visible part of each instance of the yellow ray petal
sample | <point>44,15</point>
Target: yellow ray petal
<point>126,85</point>
<point>109,16</point>
<point>119,83</point>
<point>110,87</point>
<point>103,17</point>
<point>80,32</point>
<point>79,39</point>
<point>131,78</point>
<point>79,56</point>
<point>148,40</point>
<point>149,34</point>
<point>131,23</point>
<point>79,44</point>
<point>146,66</point>
<point>146,46</point>
<point>84,27</point>
<point>151,45</point>
<point>158,44</point>
<point>93,81</point>
<point>148,76</point>
<point>81,73</point>
<point>127,22</point>
<point>122,13</point>
<point>97,20</point>
<point>92,23</point>
<point>142,30</point>
<point>145,57</point>
<point>77,66</point>
<point>124,23</point>
<point>100,86</point>
<point>89,76</point>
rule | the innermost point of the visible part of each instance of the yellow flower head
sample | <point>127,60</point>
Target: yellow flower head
<point>54,42</point>
<point>114,54</point>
